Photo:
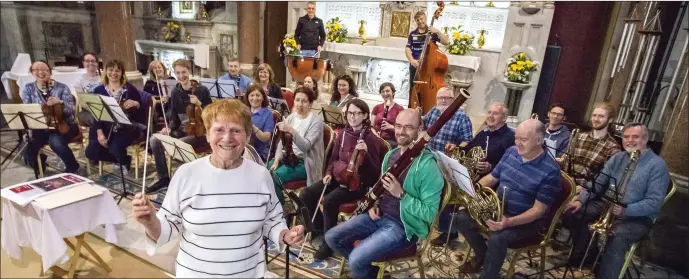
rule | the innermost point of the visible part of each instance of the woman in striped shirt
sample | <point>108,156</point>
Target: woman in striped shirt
<point>221,205</point>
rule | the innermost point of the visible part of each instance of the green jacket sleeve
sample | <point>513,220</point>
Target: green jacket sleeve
<point>422,201</point>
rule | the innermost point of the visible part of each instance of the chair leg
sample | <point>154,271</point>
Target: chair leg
<point>381,270</point>
<point>100,168</point>
<point>422,273</point>
<point>627,259</point>
<point>343,261</point>
<point>513,262</point>
<point>40,164</point>
<point>541,272</point>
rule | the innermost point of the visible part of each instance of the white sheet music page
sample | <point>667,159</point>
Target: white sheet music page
<point>460,174</point>
<point>116,110</point>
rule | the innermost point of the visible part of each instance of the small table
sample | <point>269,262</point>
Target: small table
<point>46,230</point>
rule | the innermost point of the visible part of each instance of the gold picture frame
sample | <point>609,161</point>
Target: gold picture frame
<point>186,7</point>
<point>399,26</point>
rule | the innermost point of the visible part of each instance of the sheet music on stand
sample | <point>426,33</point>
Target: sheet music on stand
<point>220,88</point>
<point>103,108</point>
<point>333,115</point>
<point>278,104</point>
<point>177,149</point>
<point>169,85</point>
<point>456,173</point>
<point>35,119</point>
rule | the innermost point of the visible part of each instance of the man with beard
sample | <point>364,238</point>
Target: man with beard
<point>407,206</point>
<point>494,139</point>
<point>233,73</point>
<point>456,132</point>
<point>643,194</point>
<point>556,131</point>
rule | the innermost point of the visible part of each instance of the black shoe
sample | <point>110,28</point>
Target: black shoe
<point>323,253</point>
<point>440,240</point>
<point>156,187</point>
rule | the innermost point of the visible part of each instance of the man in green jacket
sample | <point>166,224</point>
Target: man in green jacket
<point>405,212</point>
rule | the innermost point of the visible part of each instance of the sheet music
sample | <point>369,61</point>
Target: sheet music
<point>333,115</point>
<point>35,119</point>
<point>220,88</point>
<point>176,148</point>
<point>116,110</point>
<point>460,174</point>
<point>168,85</point>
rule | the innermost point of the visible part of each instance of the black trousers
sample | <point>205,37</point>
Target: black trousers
<point>412,73</point>
<point>332,199</point>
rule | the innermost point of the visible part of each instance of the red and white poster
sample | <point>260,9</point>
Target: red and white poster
<point>24,193</point>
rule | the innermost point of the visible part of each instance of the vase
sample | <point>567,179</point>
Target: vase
<point>481,38</point>
<point>362,32</point>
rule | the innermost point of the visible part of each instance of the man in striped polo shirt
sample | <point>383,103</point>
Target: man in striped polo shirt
<point>417,40</point>
<point>532,181</point>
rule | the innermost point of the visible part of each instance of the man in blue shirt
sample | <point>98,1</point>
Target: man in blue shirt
<point>532,181</point>
<point>643,194</point>
<point>457,131</point>
<point>241,80</point>
<point>556,130</point>
<point>416,42</point>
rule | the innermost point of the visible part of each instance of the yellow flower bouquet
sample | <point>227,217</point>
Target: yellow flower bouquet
<point>519,68</point>
<point>337,32</point>
<point>171,32</point>
<point>290,45</point>
<point>461,43</point>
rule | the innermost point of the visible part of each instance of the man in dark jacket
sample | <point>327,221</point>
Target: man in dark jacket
<point>310,32</point>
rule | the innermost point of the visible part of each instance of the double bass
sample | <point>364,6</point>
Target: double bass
<point>350,175</point>
<point>194,125</point>
<point>54,114</point>
<point>430,74</point>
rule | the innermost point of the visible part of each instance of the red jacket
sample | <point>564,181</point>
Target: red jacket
<point>342,150</point>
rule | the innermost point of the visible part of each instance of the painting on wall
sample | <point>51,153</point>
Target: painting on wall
<point>63,39</point>
<point>400,24</point>
<point>186,7</point>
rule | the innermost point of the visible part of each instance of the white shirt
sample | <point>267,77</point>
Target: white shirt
<point>223,216</point>
<point>301,126</point>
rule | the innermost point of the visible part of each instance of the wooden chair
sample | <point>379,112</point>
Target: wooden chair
<point>288,95</point>
<point>541,242</point>
<point>414,252</point>
<point>328,138</point>
<point>630,254</point>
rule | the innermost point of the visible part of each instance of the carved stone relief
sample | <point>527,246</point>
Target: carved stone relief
<point>380,71</point>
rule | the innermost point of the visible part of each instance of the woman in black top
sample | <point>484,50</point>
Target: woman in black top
<point>156,73</point>
<point>265,77</point>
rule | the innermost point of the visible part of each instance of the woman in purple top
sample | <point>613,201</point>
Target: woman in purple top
<point>261,118</point>
<point>383,115</point>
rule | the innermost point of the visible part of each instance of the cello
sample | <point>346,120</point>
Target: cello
<point>54,114</point>
<point>350,175</point>
<point>430,74</point>
<point>195,125</point>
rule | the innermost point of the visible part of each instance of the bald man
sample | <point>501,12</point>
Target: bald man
<point>532,180</point>
<point>456,132</point>
<point>404,213</point>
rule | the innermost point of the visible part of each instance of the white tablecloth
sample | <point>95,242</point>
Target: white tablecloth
<point>71,79</point>
<point>43,230</point>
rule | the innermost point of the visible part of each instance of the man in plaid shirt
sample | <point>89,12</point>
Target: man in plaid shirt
<point>590,150</point>
<point>457,131</point>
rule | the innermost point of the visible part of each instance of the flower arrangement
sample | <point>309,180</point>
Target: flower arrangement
<point>337,32</point>
<point>462,43</point>
<point>519,68</point>
<point>171,31</point>
<point>290,45</point>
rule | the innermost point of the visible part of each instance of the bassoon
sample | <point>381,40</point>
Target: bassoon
<point>408,157</point>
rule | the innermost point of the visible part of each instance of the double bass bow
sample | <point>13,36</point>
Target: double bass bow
<point>350,175</point>
<point>194,125</point>
<point>430,74</point>
<point>54,114</point>
<point>408,156</point>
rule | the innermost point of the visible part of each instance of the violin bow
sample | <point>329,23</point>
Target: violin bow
<point>160,91</point>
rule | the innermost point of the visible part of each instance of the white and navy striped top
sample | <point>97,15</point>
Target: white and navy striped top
<point>222,216</point>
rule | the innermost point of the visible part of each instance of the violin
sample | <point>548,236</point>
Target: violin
<point>430,74</point>
<point>350,175</point>
<point>54,114</point>
<point>195,125</point>
<point>290,158</point>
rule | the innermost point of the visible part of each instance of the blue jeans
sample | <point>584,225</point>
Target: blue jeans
<point>58,143</point>
<point>309,53</point>
<point>494,250</point>
<point>378,238</point>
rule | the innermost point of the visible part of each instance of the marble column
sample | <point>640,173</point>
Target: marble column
<point>248,14</point>
<point>117,37</point>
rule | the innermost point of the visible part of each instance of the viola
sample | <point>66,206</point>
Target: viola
<point>430,74</point>
<point>54,114</point>
<point>350,176</point>
<point>408,156</point>
<point>195,125</point>
<point>290,158</point>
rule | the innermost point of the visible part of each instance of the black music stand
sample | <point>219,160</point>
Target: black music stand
<point>169,85</point>
<point>177,149</point>
<point>279,105</point>
<point>22,118</point>
<point>220,88</point>
<point>107,109</point>
<point>333,115</point>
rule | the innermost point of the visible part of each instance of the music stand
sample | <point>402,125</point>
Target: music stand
<point>220,88</point>
<point>176,148</point>
<point>107,109</point>
<point>169,85</point>
<point>333,115</point>
<point>22,118</point>
<point>279,105</point>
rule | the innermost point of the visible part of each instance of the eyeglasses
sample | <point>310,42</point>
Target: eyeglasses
<point>355,113</point>
<point>556,114</point>
<point>406,127</point>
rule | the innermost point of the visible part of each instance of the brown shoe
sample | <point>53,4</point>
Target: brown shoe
<point>473,265</point>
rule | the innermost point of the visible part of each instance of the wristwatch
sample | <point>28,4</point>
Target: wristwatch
<point>404,193</point>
